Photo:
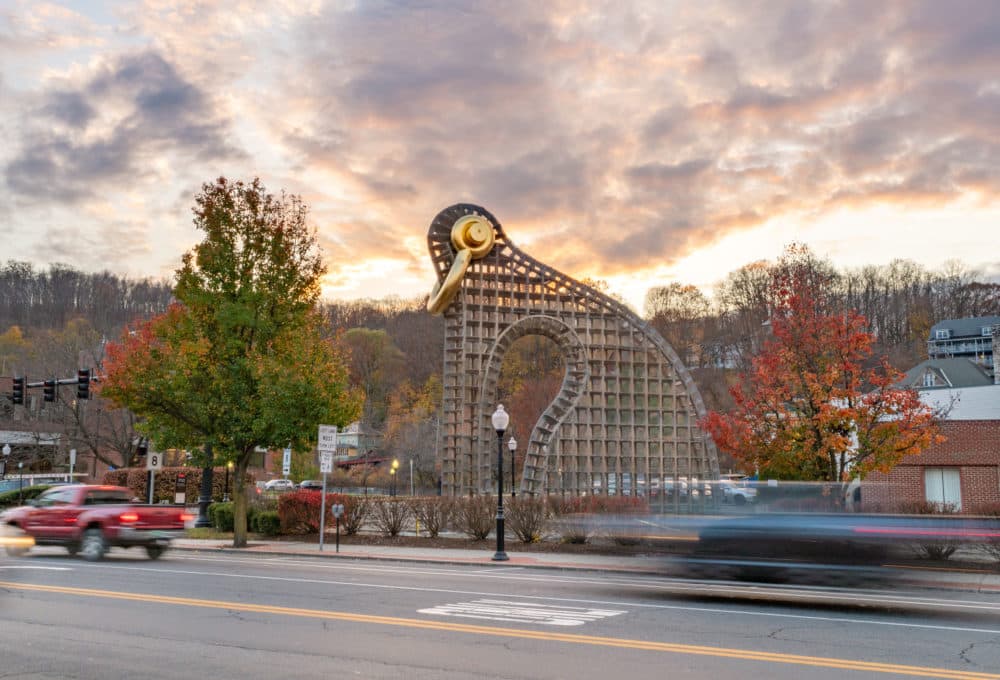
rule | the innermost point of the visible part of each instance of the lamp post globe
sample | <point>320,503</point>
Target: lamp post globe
<point>500,420</point>
<point>6,450</point>
<point>512,445</point>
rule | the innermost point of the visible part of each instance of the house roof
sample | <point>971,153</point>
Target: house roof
<point>950,373</point>
<point>26,438</point>
<point>965,328</point>
<point>969,403</point>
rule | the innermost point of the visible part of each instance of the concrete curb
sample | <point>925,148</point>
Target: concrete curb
<point>445,561</point>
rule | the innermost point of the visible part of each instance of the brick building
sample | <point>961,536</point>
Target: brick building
<point>963,471</point>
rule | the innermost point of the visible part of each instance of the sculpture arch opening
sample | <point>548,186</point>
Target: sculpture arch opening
<point>625,416</point>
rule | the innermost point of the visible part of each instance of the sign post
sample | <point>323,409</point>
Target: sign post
<point>338,510</point>
<point>180,488</point>
<point>154,462</point>
<point>327,446</point>
<point>72,463</point>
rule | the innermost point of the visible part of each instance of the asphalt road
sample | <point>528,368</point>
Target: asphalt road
<point>192,616</point>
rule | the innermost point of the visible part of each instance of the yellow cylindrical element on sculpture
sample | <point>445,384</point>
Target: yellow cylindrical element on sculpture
<point>472,236</point>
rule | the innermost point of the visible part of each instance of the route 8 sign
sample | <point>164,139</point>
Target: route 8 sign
<point>154,460</point>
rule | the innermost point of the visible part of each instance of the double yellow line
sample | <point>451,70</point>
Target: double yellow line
<point>718,652</point>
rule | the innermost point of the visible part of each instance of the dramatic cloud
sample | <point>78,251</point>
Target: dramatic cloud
<point>77,142</point>
<point>610,137</point>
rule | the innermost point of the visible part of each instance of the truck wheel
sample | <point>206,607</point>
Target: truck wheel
<point>93,545</point>
<point>154,551</point>
<point>739,500</point>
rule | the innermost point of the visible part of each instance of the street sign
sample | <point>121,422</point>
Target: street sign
<point>326,462</point>
<point>154,461</point>
<point>286,462</point>
<point>327,438</point>
<point>180,488</point>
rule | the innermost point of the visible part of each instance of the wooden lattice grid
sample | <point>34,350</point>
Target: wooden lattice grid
<point>625,416</point>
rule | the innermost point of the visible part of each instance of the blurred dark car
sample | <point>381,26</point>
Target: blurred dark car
<point>826,547</point>
<point>311,485</point>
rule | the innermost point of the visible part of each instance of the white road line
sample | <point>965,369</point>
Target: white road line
<point>522,612</point>
<point>33,567</point>
<point>644,582</point>
<point>674,585</point>
<point>634,605</point>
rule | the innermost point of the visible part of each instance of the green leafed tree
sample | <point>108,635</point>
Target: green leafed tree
<point>240,361</point>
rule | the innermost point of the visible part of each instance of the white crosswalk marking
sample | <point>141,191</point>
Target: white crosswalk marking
<point>522,612</point>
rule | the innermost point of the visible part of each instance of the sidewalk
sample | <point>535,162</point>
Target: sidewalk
<point>480,556</point>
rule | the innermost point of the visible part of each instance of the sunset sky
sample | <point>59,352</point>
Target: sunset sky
<point>636,142</point>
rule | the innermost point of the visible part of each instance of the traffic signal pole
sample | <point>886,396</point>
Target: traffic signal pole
<point>50,387</point>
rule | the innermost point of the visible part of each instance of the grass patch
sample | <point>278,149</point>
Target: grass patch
<point>207,532</point>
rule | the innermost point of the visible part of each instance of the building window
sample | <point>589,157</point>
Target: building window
<point>929,380</point>
<point>987,331</point>
<point>942,486</point>
<point>942,334</point>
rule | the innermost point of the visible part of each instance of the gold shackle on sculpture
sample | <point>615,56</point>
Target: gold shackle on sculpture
<point>472,236</point>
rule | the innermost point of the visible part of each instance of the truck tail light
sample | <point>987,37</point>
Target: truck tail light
<point>129,517</point>
<point>186,517</point>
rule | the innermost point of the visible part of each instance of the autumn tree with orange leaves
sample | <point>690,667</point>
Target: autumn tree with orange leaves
<point>816,404</point>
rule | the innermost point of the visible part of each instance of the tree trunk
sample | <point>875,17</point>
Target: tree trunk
<point>240,502</point>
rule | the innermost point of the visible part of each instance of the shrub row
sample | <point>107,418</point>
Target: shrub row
<point>526,518</point>
<point>9,499</point>
<point>165,485</point>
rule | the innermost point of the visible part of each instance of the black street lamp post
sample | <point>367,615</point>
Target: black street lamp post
<point>205,493</point>
<point>225,495</point>
<point>6,456</point>
<point>512,445</point>
<point>392,477</point>
<point>500,422</point>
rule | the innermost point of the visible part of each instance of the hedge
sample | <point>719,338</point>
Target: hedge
<point>221,516</point>
<point>166,481</point>
<point>9,499</point>
<point>267,522</point>
<point>298,511</point>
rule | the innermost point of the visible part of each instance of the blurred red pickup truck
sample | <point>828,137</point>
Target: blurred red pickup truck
<point>89,520</point>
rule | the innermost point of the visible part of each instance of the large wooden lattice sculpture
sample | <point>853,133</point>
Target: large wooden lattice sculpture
<point>625,416</point>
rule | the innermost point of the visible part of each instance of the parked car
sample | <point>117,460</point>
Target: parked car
<point>738,491</point>
<point>280,485</point>
<point>311,484</point>
<point>90,519</point>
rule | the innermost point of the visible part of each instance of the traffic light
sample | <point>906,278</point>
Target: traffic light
<point>83,383</point>
<point>49,390</point>
<point>17,395</point>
